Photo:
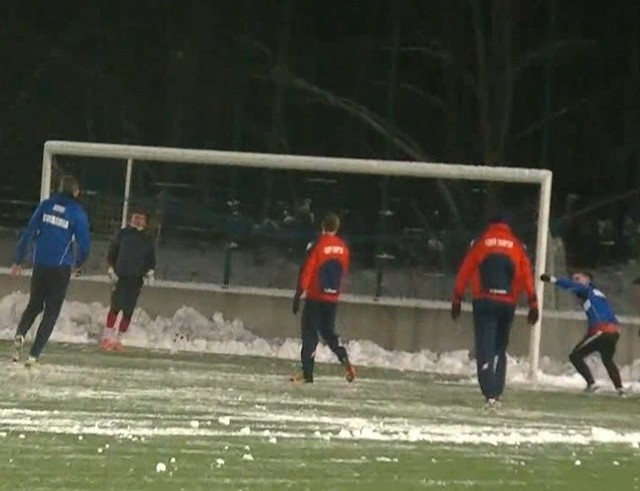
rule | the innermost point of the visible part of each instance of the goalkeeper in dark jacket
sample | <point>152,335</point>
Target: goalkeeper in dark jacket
<point>131,258</point>
<point>498,268</point>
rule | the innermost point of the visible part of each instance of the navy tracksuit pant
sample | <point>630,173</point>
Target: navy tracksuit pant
<point>603,343</point>
<point>48,289</point>
<point>492,322</point>
<point>319,318</point>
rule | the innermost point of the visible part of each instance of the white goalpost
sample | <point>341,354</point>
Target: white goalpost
<point>132,153</point>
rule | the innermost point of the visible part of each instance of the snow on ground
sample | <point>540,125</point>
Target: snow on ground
<point>189,330</point>
<point>351,429</point>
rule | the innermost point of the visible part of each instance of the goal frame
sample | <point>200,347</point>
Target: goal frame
<point>131,153</point>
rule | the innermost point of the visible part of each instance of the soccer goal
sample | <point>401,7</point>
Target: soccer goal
<point>248,216</point>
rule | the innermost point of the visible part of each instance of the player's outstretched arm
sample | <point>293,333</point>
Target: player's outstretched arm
<point>565,283</point>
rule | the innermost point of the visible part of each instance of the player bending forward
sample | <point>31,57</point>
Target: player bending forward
<point>131,258</point>
<point>603,328</point>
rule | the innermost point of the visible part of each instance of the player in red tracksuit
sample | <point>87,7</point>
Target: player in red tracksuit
<point>320,280</point>
<point>498,268</point>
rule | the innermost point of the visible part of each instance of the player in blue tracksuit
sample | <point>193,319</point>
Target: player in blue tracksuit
<point>603,329</point>
<point>59,234</point>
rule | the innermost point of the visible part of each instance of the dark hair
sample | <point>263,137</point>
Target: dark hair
<point>501,217</point>
<point>69,184</point>
<point>331,223</point>
<point>139,210</point>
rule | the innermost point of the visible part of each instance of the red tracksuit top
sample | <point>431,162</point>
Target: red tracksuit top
<point>498,268</point>
<point>326,266</point>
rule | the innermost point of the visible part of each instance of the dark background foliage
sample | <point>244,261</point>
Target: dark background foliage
<point>549,83</point>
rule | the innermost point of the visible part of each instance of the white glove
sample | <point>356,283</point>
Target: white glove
<point>150,277</point>
<point>113,277</point>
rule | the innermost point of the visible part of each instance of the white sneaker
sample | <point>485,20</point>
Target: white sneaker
<point>621,393</point>
<point>18,342</point>
<point>589,389</point>
<point>492,404</point>
<point>31,362</point>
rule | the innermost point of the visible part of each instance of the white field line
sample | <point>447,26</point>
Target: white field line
<point>356,429</point>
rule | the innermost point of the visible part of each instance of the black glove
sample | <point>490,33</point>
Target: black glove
<point>455,309</point>
<point>533,315</point>
<point>296,303</point>
<point>545,277</point>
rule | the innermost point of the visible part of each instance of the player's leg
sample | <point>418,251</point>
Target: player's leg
<point>607,346</point>
<point>328,333</point>
<point>37,296</point>
<point>586,346</point>
<point>328,330</point>
<point>485,326</point>
<point>109,331</point>
<point>33,309</point>
<point>130,294</point>
<point>309,333</point>
<point>505,321</point>
<point>56,291</point>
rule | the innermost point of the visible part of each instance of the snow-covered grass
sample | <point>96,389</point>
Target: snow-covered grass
<point>204,403</point>
<point>156,419</point>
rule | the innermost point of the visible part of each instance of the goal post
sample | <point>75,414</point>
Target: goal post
<point>150,154</point>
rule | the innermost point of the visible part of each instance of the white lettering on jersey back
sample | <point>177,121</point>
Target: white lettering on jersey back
<point>59,208</point>
<point>495,242</point>
<point>496,291</point>
<point>55,221</point>
<point>333,250</point>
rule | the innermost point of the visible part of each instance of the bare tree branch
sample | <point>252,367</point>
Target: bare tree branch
<point>507,109</point>
<point>382,127</point>
<point>430,99</point>
<point>540,55</point>
<point>446,57</point>
<point>483,84</point>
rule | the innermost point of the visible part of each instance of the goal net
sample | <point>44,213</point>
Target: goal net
<point>245,219</point>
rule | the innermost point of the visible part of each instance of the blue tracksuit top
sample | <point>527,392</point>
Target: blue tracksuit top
<point>54,227</point>
<point>593,301</point>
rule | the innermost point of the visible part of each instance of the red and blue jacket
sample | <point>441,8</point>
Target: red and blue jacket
<point>324,269</point>
<point>498,268</point>
<point>600,315</point>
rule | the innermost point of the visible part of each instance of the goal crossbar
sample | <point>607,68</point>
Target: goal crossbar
<point>298,162</point>
<point>130,153</point>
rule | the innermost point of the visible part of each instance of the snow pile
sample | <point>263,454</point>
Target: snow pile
<point>189,330</point>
